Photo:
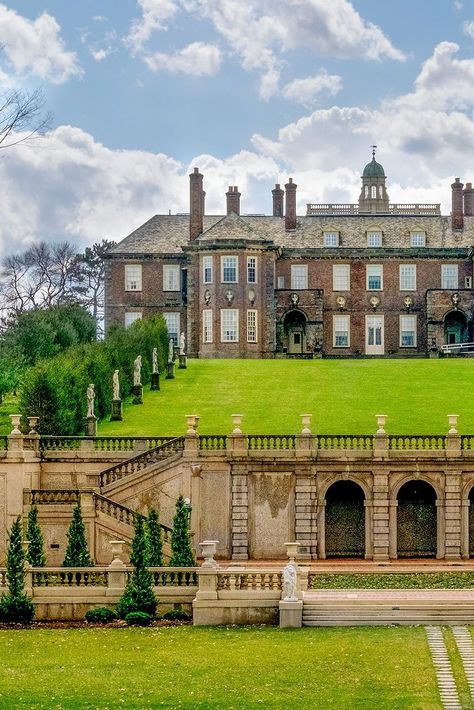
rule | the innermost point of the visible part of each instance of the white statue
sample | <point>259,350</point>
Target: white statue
<point>90,400</point>
<point>182,344</point>
<point>170,351</point>
<point>137,371</point>
<point>116,384</point>
<point>290,579</point>
<point>154,359</point>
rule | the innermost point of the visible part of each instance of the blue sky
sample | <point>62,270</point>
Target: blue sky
<point>249,90</point>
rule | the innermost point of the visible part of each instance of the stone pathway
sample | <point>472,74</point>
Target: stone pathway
<point>444,673</point>
<point>466,651</point>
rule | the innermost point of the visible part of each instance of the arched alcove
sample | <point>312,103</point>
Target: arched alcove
<point>345,520</point>
<point>416,520</point>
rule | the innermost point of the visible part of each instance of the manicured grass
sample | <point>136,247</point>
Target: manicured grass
<point>9,405</point>
<point>343,395</point>
<point>222,668</point>
<point>418,580</point>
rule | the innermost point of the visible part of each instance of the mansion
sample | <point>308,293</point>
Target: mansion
<point>366,279</point>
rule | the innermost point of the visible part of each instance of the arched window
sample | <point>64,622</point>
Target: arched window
<point>374,192</point>
<point>381,192</point>
<point>366,192</point>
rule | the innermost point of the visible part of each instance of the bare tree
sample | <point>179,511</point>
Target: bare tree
<point>91,285</point>
<point>22,116</point>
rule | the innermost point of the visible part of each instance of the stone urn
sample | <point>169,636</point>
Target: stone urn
<point>237,421</point>
<point>453,423</point>
<point>208,549</point>
<point>33,424</point>
<point>292,550</point>
<point>16,419</point>
<point>192,421</point>
<point>381,419</point>
<point>305,423</point>
<point>117,551</point>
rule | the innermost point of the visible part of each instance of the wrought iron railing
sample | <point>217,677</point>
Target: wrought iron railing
<point>137,463</point>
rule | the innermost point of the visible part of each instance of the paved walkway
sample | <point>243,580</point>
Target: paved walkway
<point>444,673</point>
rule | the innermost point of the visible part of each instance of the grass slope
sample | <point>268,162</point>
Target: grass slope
<point>185,667</point>
<point>342,395</point>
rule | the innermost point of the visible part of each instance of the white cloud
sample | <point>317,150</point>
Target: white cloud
<point>155,14</point>
<point>197,59</point>
<point>35,47</point>
<point>468,29</point>
<point>306,91</point>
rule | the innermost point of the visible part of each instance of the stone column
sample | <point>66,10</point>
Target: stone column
<point>452,514</point>
<point>91,426</point>
<point>392,530</point>
<point>381,515</point>
<point>465,504</point>
<point>240,513</point>
<point>306,522</point>
<point>191,440</point>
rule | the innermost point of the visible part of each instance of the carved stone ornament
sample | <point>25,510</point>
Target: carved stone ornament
<point>252,296</point>
<point>408,302</point>
<point>207,297</point>
<point>229,296</point>
<point>295,299</point>
<point>455,298</point>
<point>341,302</point>
<point>374,302</point>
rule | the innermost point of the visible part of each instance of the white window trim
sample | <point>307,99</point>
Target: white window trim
<point>236,311</point>
<point>380,266</point>
<point>443,279</point>
<point>207,312</point>
<point>348,272</point>
<point>412,236</point>
<point>211,262</point>
<point>138,315</point>
<point>404,288</point>
<point>255,312</point>
<point>379,233</point>
<point>230,256</point>
<point>171,268</point>
<point>338,239</point>
<point>415,321</point>
<point>348,321</point>
<point>139,278</point>
<point>177,314</point>
<point>256,269</point>
<point>280,284</point>
<point>299,266</point>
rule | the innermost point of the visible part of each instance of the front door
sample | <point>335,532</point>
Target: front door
<point>374,335</point>
<point>295,338</point>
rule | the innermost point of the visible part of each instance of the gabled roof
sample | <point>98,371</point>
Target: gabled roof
<point>231,227</point>
<point>162,234</point>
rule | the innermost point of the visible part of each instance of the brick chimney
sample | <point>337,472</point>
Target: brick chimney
<point>290,207</point>
<point>468,200</point>
<point>196,204</point>
<point>233,200</point>
<point>457,209</point>
<point>277,201</point>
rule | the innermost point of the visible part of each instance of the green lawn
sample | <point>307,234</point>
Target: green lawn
<point>342,395</point>
<point>222,668</point>
<point>416,580</point>
<point>8,405</point>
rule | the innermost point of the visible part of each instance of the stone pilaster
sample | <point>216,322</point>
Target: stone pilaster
<point>240,514</point>
<point>380,516</point>
<point>306,525</point>
<point>452,512</point>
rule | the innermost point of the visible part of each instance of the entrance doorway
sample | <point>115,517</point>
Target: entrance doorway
<point>416,520</point>
<point>455,328</point>
<point>374,335</point>
<point>471,522</point>
<point>345,520</point>
<point>295,332</point>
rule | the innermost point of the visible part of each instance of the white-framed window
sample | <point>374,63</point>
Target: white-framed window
<point>229,270</point>
<point>207,269</point>
<point>407,277</point>
<point>172,320</point>
<point>207,334</point>
<point>341,280</point>
<point>170,277</point>
<point>132,317</point>
<point>280,282</point>
<point>133,277</point>
<point>449,276</point>
<point>468,282</point>
<point>251,326</point>
<point>374,277</point>
<point>229,325</point>
<point>251,269</point>
<point>408,331</point>
<point>331,239</point>
<point>374,238</point>
<point>299,276</point>
<point>373,192</point>
<point>341,331</point>
<point>418,239</point>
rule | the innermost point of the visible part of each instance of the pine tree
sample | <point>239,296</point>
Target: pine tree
<point>154,540</point>
<point>181,552</point>
<point>138,594</point>
<point>35,555</point>
<point>77,551</point>
<point>15,606</point>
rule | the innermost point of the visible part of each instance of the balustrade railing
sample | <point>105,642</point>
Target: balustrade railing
<point>251,581</point>
<point>141,461</point>
<point>212,442</point>
<point>416,443</point>
<point>263,442</point>
<point>69,577</point>
<point>467,442</point>
<point>174,576</point>
<point>101,443</point>
<point>348,209</point>
<point>345,441</point>
<point>119,512</point>
<point>51,497</point>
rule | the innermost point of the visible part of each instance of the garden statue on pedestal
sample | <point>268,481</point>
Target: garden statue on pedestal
<point>91,419</point>
<point>290,577</point>
<point>170,366</point>
<point>116,415</point>
<point>182,352</point>
<point>137,389</point>
<point>155,374</point>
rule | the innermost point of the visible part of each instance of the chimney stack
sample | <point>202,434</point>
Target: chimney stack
<point>277,201</point>
<point>290,206</point>
<point>457,208</point>
<point>233,200</point>
<point>468,200</point>
<point>196,204</point>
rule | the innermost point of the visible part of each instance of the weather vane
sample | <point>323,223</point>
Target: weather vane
<point>374,147</point>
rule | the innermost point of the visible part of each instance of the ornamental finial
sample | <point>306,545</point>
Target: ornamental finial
<point>374,148</point>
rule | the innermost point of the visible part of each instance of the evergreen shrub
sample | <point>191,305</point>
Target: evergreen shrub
<point>77,551</point>
<point>138,618</point>
<point>15,606</point>
<point>181,551</point>
<point>154,539</point>
<point>177,615</point>
<point>35,554</point>
<point>101,615</point>
<point>138,595</point>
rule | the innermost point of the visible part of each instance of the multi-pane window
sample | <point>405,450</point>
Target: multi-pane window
<point>280,282</point>
<point>341,277</point>
<point>172,324</point>
<point>373,192</point>
<point>449,276</point>
<point>207,334</point>
<point>374,277</point>
<point>229,325</point>
<point>299,276</point>
<point>131,318</point>
<point>418,239</point>
<point>341,330</point>
<point>207,275</point>
<point>407,277</point>
<point>251,269</point>
<point>133,277</point>
<point>407,331</point>
<point>229,269</point>
<point>170,277</point>
<point>331,239</point>
<point>251,326</point>
<point>374,239</point>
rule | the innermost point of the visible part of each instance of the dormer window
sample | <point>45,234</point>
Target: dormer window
<point>418,239</point>
<point>331,239</point>
<point>374,238</point>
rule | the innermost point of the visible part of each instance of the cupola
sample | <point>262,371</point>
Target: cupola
<point>373,196</point>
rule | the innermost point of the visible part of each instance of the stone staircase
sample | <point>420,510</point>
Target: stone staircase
<point>371,607</point>
<point>135,464</point>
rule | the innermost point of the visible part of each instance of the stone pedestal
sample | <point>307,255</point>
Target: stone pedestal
<point>170,371</point>
<point>291,615</point>
<point>155,381</point>
<point>137,392</point>
<point>116,413</point>
<point>182,362</point>
<point>91,426</point>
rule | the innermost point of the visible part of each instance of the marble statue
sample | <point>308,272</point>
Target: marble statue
<point>116,384</point>
<point>137,371</point>
<point>182,344</point>
<point>171,351</point>
<point>290,578</point>
<point>90,400</point>
<point>154,359</point>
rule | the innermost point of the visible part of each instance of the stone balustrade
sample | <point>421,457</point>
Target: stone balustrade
<point>331,208</point>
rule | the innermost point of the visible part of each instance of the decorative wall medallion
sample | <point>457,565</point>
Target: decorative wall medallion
<point>374,302</point>
<point>408,302</point>
<point>252,296</point>
<point>455,298</point>
<point>229,296</point>
<point>341,302</point>
<point>207,297</point>
<point>295,299</point>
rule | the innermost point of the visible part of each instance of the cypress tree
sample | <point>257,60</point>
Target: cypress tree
<point>138,594</point>
<point>181,552</point>
<point>154,539</point>
<point>77,551</point>
<point>35,555</point>
<point>15,606</point>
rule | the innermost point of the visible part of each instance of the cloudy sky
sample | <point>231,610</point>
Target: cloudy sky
<point>251,91</point>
